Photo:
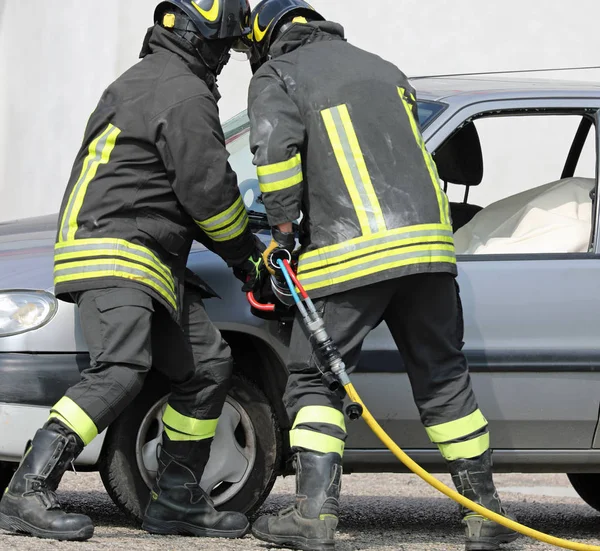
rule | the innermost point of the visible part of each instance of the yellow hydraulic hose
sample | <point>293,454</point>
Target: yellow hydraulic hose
<point>419,471</point>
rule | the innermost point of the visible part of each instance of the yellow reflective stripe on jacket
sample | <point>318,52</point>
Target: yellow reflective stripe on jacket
<point>98,154</point>
<point>69,413</point>
<point>81,249</point>
<point>320,414</point>
<point>364,246</point>
<point>188,428</point>
<point>227,224</point>
<point>354,169</point>
<point>466,450</point>
<point>114,267</point>
<point>316,441</point>
<point>440,195</point>
<point>280,176</point>
<point>442,228</point>
<point>380,262</point>
<point>452,430</point>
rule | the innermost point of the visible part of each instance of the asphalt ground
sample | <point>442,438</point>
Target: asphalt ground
<point>380,512</point>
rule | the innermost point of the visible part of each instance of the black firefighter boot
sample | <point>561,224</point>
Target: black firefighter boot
<point>310,523</point>
<point>473,479</point>
<point>29,504</point>
<point>178,505</point>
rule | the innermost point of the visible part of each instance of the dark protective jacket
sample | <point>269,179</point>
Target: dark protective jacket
<point>334,135</point>
<point>151,176</point>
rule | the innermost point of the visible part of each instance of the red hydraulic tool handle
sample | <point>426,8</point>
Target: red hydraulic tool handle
<point>259,305</point>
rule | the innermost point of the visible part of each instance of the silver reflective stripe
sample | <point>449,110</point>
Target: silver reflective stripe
<point>64,270</point>
<point>119,248</point>
<point>349,154</point>
<point>365,243</point>
<point>225,218</point>
<point>233,231</point>
<point>280,176</point>
<point>90,160</point>
<point>390,257</point>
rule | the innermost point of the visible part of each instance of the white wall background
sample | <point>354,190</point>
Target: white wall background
<point>56,57</point>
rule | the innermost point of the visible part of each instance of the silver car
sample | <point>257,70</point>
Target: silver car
<point>532,318</point>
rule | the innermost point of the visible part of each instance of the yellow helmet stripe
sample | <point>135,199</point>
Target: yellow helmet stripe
<point>211,15</point>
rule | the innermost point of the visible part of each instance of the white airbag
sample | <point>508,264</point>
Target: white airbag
<point>553,218</point>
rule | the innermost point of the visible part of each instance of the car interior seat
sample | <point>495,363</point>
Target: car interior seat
<point>459,161</point>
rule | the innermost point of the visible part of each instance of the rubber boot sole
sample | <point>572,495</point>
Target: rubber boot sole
<point>295,542</point>
<point>490,544</point>
<point>178,528</point>
<point>19,526</point>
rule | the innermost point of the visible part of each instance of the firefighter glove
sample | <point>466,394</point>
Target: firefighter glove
<point>252,272</point>
<point>280,242</point>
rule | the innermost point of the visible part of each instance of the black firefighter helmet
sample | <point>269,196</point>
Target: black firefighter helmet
<point>213,27</point>
<point>266,20</point>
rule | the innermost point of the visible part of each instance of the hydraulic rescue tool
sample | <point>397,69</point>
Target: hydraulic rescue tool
<point>289,290</point>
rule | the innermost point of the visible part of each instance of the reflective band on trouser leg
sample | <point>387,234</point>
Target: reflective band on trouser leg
<point>316,441</point>
<point>182,428</point>
<point>320,414</point>
<point>457,429</point>
<point>70,414</point>
<point>99,153</point>
<point>442,199</point>
<point>351,161</point>
<point>280,176</point>
<point>228,224</point>
<point>466,450</point>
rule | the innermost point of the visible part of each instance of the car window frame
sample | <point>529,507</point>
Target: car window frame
<point>537,107</point>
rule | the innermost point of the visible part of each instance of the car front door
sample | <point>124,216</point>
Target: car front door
<point>531,334</point>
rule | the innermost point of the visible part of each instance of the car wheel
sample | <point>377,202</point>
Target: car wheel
<point>245,453</point>
<point>7,469</point>
<point>587,485</point>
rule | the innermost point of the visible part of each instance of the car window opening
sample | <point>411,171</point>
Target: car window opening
<point>495,209</point>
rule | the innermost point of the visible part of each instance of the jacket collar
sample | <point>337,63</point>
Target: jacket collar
<point>160,40</point>
<point>306,33</point>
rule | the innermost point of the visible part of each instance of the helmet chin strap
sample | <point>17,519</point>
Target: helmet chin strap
<point>186,30</point>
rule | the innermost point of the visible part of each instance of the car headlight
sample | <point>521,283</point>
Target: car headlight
<point>22,311</point>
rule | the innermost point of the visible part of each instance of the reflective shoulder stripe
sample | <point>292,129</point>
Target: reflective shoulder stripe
<point>466,450</point>
<point>227,224</point>
<point>113,267</point>
<point>81,249</point>
<point>99,153</point>
<point>320,414</point>
<point>316,441</point>
<point>196,429</point>
<point>441,197</point>
<point>69,413</point>
<point>280,176</point>
<point>452,430</point>
<point>344,155</point>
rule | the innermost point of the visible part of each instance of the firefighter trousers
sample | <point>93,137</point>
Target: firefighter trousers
<point>128,333</point>
<point>424,315</point>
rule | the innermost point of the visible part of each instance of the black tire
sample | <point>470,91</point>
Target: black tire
<point>123,480</point>
<point>587,485</point>
<point>7,469</point>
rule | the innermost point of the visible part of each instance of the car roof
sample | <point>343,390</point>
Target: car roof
<point>469,88</point>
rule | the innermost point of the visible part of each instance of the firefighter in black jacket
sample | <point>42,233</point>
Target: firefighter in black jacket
<point>152,175</point>
<point>335,136</point>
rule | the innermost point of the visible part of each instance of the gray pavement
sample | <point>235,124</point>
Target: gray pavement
<point>381,512</point>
